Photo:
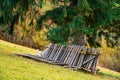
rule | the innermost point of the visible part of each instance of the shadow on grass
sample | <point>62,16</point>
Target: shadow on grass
<point>108,75</point>
<point>101,74</point>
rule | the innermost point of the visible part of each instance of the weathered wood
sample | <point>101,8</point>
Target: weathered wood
<point>81,58</point>
<point>57,59</point>
<point>95,63</point>
<point>65,61</point>
<point>59,53</point>
<point>63,55</point>
<point>76,60</point>
<point>72,56</point>
<point>90,63</point>
<point>56,53</point>
<point>87,60</point>
<point>53,52</point>
<point>49,52</point>
<point>88,57</point>
<point>45,52</point>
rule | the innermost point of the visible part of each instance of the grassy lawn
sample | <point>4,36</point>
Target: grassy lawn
<point>6,47</point>
<point>17,68</point>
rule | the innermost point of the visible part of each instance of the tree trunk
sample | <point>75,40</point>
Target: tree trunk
<point>73,2</point>
<point>79,40</point>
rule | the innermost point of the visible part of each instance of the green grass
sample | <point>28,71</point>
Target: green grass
<point>17,68</point>
<point>6,47</point>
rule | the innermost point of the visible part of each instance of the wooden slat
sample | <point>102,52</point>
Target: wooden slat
<point>53,52</point>
<point>95,62</point>
<point>56,53</point>
<point>50,50</point>
<point>71,55</point>
<point>76,61</point>
<point>74,55</point>
<point>81,57</point>
<point>59,53</point>
<point>87,57</point>
<point>88,60</point>
<point>65,53</point>
<point>46,51</point>
<point>80,61</point>
<point>71,47</point>
<point>90,63</point>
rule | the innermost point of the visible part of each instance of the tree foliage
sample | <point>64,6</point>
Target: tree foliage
<point>68,19</point>
<point>11,11</point>
<point>95,18</point>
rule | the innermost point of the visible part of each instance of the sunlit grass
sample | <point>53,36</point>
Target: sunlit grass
<point>7,47</point>
<point>17,68</point>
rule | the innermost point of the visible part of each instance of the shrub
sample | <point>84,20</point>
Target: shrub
<point>110,58</point>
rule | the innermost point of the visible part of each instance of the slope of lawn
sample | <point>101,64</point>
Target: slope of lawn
<point>6,47</point>
<point>17,68</point>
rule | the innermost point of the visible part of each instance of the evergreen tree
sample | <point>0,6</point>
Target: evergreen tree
<point>69,19</point>
<point>73,18</point>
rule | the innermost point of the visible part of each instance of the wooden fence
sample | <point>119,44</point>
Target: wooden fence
<point>71,56</point>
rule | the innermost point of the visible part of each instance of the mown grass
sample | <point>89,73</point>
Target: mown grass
<point>17,68</point>
<point>6,47</point>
